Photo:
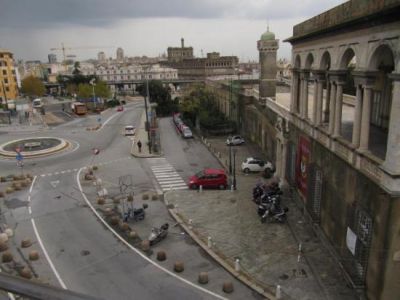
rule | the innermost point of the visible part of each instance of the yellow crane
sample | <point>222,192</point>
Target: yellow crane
<point>64,49</point>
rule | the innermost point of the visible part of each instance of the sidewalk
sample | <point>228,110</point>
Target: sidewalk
<point>141,135</point>
<point>226,225</point>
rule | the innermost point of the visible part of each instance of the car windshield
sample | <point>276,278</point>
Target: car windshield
<point>199,174</point>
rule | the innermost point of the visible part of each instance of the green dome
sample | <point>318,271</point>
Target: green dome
<point>268,35</point>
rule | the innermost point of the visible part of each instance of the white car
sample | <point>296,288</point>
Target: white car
<point>130,130</point>
<point>252,164</point>
<point>235,140</point>
<point>187,133</point>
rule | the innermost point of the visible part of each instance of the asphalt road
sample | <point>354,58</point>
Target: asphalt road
<point>82,255</point>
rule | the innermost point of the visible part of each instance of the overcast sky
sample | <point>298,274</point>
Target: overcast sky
<point>29,28</point>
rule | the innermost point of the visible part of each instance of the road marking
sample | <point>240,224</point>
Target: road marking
<point>137,251</point>
<point>54,183</point>
<point>106,121</point>
<point>60,281</point>
<point>43,175</point>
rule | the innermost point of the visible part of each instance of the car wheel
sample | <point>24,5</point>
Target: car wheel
<point>193,187</point>
<point>246,170</point>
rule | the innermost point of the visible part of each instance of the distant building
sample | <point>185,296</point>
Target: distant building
<point>177,54</point>
<point>120,54</point>
<point>101,57</point>
<point>190,67</point>
<point>8,80</point>
<point>52,58</point>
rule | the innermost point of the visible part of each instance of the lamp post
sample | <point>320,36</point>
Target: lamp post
<point>92,82</point>
<point>230,159</point>
<point>147,126</point>
<point>234,168</point>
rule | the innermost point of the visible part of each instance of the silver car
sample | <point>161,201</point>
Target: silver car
<point>235,140</point>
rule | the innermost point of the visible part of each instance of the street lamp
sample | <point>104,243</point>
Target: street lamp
<point>230,159</point>
<point>147,127</point>
<point>92,82</point>
<point>234,168</point>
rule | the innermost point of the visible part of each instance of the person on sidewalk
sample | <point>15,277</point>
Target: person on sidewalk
<point>139,145</point>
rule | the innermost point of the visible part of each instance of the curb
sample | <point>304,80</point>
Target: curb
<point>238,275</point>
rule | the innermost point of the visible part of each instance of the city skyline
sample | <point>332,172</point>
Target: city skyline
<point>230,27</point>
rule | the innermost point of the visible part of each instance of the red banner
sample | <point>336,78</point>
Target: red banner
<point>302,161</point>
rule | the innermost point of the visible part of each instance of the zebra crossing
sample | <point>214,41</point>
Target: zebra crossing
<point>166,175</point>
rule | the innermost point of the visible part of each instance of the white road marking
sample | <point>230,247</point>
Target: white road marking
<point>49,174</point>
<point>169,180</point>
<point>137,251</point>
<point>60,281</point>
<point>54,183</point>
<point>173,185</point>
<point>167,176</point>
<point>106,121</point>
<point>43,175</point>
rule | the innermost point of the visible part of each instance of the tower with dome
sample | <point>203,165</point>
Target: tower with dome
<point>267,47</point>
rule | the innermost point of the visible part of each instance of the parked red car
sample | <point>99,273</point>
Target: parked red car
<point>120,108</point>
<point>209,178</point>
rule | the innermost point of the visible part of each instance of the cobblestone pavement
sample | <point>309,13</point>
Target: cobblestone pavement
<point>268,253</point>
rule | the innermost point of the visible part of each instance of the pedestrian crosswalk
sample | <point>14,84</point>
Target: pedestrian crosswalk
<point>166,175</point>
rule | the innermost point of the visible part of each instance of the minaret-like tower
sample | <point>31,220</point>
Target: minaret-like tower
<point>267,46</point>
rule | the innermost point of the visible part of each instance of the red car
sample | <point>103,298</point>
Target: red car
<point>209,178</point>
<point>120,108</point>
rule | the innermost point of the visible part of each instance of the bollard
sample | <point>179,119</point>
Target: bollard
<point>227,287</point>
<point>161,256</point>
<point>200,188</point>
<point>190,223</point>
<point>237,265</point>
<point>179,267</point>
<point>278,293</point>
<point>203,278</point>
<point>209,242</point>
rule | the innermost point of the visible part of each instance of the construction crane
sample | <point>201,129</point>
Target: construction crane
<point>64,49</point>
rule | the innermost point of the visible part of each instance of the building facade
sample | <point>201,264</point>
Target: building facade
<point>8,80</point>
<point>120,55</point>
<point>341,157</point>
<point>177,54</point>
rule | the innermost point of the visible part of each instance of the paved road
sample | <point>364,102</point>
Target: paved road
<point>82,255</point>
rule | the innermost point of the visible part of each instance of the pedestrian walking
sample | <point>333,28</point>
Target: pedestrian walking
<point>139,145</point>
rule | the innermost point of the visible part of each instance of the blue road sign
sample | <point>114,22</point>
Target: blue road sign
<point>19,156</point>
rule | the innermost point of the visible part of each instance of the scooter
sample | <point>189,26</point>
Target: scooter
<point>158,234</point>
<point>260,192</point>
<point>272,211</point>
<point>136,214</point>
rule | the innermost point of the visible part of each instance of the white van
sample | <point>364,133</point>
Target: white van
<point>37,103</point>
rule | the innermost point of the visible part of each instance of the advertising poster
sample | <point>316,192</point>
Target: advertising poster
<point>302,161</point>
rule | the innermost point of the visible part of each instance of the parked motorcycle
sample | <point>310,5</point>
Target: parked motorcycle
<point>262,192</point>
<point>136,214</point>
<point>158,234</point>
<point>271,210</point>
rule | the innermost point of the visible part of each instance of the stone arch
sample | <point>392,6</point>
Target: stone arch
<point>381,56</point>
<point>309,61</point>
<point>348,55</point>
<point>325,63</point>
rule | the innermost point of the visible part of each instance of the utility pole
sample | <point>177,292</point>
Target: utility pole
<point>147,126</point>
<point>92,82</point>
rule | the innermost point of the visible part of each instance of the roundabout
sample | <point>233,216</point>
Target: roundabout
<point>33,147</point>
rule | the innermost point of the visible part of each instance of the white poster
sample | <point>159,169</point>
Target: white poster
<point>351,240</point>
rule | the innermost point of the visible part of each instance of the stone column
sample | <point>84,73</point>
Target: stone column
<point>301,96</point>
<point>315,101</point>
<point>365,118</point>
<point>305,99</point>
<point>278,162</point>
<point>332,108</point>
<point>327,102</point>
<point>320,102</point>
<point>284,155</point>
<point>294,92</point>
<point>392,160</point>
<point>338,109</point>
<point>357,118</point>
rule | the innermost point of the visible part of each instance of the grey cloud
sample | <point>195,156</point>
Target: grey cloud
<point>99,13</point>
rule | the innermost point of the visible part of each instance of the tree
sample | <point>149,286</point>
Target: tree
<point>33,86</point>
<point>101,90</point>
<point>84,91</point>
<point>160,95</point>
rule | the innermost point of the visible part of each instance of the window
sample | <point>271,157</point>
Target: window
<point>7,89</point>
<point>4,72</point>
<point>6,80</point>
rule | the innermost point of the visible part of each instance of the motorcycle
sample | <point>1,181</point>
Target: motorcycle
<point>272,210</point>
<point>158,234</point>
<point>261,192</point>
<point>136,214</point>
